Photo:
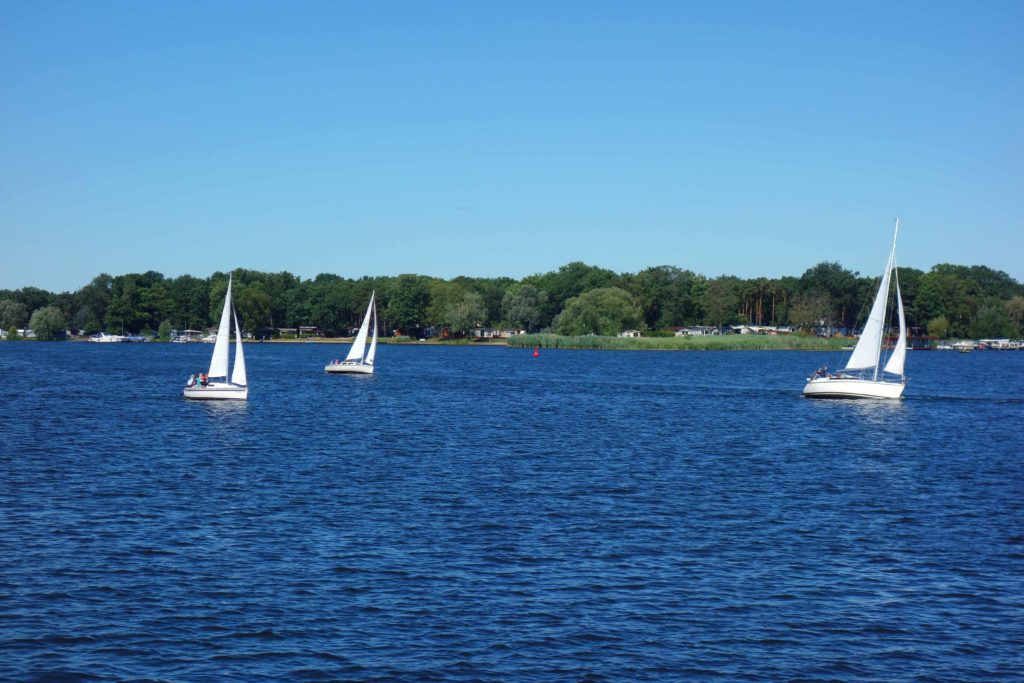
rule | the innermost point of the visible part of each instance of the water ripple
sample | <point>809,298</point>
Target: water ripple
<point>474,514</point>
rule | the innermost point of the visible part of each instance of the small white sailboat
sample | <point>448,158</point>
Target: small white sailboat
<point>359,360</point>
<point>864,375</point>
<point>238,387</point>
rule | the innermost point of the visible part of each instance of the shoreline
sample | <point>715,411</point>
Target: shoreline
<point>597,343</point>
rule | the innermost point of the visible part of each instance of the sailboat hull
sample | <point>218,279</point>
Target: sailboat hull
<point>217,391</point>
<point>350,368</point>
<point>852,387</point>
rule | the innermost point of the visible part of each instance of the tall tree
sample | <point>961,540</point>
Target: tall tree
<point>12,314</point>
<point>605,311</point>
<point>123,313</point>
<point>944,292</point>
<point>407,301</point>
<point>811,310</point>
<point>47,323</point>
<point>666,296</point>
<point>86,320</point>
<point>938,327</point>
<point>567,282</point>
<point>33,297</point>
<point>522,306</point>
<point>1015,312</point>
<point>721,299</point>
<point>992,322</point>
<point>467,313</point>
<point>253,306</point>
<point>96,295</point>
<point>842,287</point>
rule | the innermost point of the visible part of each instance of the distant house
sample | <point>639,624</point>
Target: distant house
<point>309,331</point>
<point>696,331</point>
<point>286,331</point>
<point>512,333</point>
<point>428,332</point>
<point>485,333</point>
<point>630,333</point>
<point>762,329</point>
<point>186,335</point>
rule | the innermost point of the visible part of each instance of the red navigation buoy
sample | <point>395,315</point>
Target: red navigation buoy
<point>536,352</point>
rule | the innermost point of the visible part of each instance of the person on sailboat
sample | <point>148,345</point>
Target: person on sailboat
<point>204,380</point>
<point>191,381</point>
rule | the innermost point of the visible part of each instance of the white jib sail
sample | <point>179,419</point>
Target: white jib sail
<point>899,352</point>
<point>373,341</point>
<point>865,353</point>
<point>238,373</point>
<point>219,362</point>
<point>359,345</point>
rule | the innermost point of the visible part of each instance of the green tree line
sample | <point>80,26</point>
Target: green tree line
<point>576,299</point>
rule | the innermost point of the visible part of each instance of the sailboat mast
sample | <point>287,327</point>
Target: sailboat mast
<point>885,302</point>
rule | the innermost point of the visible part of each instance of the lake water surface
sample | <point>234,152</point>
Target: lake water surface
<point>475,514</point>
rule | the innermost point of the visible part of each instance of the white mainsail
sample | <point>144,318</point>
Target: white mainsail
<point>373,342</point>
<point>899,352</point>
<point>359,345</point>
<point>219,361</point>
<point>238,373</point>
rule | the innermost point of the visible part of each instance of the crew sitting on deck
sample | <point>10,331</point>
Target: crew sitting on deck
<point>822,371</point>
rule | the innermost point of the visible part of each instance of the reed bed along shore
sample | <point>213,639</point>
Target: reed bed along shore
<point>726,342</point>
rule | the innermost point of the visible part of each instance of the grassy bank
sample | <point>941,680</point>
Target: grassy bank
<point>433,341</point>
<point>727,342</point>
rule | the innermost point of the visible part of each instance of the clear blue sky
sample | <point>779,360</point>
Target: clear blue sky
<point>483,138</point>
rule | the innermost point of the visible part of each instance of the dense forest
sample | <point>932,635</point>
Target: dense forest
<point>946,301</point>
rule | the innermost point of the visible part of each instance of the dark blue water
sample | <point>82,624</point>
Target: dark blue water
<point>473,514</point>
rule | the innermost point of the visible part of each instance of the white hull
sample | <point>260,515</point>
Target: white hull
<point>851,387</point>
<point>217,391</point>
<point>353,368</point>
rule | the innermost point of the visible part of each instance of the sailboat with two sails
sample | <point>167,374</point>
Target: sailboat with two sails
<point>237,387</point>
<point>864,375</point>
<point>359,360</point>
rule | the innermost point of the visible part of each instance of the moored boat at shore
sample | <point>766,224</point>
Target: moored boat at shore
<point>104,338</point>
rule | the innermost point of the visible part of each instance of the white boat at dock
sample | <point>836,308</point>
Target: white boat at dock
<point>104,338</point>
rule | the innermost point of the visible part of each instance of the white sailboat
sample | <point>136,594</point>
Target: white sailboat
<point>864,375</point>
<point>359,360</point>
<point>237,387</point>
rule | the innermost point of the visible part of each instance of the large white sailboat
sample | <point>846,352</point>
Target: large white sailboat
<point>864,375</point>
<point>359,360</point>
<point>237,387</point>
